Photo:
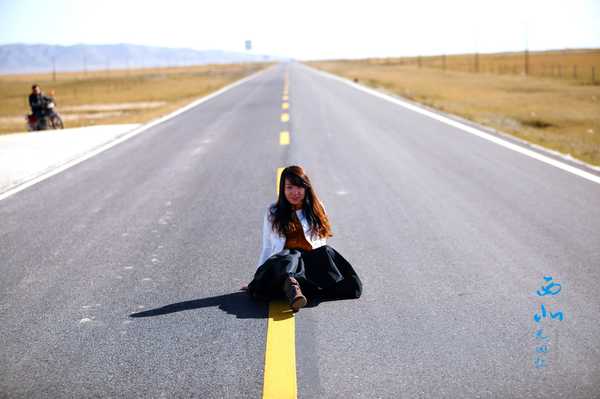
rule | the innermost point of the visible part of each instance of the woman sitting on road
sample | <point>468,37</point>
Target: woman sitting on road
<point>295,260</point>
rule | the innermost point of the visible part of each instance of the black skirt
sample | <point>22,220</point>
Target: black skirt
<point>322,272</point>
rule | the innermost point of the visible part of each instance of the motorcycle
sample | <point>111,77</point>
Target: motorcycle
<point>49,119</point>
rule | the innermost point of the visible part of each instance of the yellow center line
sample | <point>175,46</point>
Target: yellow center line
<point>279,170</point>
<point>285,106</point>
<point>280,353</point>
<point>285,117</point>
<point>284,138</point>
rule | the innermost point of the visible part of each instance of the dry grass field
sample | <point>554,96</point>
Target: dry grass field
<point>582,65</point>
<point>563,115</point>
<point>116,96</point>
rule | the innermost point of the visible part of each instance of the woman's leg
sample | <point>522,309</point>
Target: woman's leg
<point>320,268</point>
<point>350,285</point>
<point>270,276</point>
<point>294,294</point>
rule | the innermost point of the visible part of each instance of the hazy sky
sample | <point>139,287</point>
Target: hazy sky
<point>308,29</point>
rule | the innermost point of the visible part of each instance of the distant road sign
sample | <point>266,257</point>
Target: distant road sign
<point>248,44</point>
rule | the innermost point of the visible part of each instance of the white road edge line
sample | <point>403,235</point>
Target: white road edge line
<point>469,129</point>
<point>129,135</point>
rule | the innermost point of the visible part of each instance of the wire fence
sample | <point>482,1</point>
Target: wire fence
<point>582,66</point>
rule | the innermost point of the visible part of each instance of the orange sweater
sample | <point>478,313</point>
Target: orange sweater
<point>295,239</point>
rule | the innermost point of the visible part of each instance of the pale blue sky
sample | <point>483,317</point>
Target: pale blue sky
<point>309,29</point>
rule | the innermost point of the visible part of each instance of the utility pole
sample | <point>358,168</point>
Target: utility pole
<point>526,58</point>
<point>54,68</point>
<point>476,59</point>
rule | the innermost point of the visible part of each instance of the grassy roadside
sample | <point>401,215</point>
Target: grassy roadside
<point>582,65</point>
<point>117,96</point>
<point>561,115</point>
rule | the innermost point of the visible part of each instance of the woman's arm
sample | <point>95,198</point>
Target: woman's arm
<point>266,241</point>
<point>266,244</point>
<point>324,210</point>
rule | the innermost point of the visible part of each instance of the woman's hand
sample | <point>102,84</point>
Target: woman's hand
<point>244,288</point>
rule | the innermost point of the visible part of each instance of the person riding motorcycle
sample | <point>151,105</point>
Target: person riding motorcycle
<point>38,102</point>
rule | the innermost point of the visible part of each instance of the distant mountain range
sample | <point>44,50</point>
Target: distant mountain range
<point>28,58</point>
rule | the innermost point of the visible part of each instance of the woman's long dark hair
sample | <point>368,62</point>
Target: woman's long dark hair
<point>281,212</point>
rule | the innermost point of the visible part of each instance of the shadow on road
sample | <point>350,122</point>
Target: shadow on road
<point>236,303</point>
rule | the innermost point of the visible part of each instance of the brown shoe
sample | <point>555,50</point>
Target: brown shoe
<point>294,294</point>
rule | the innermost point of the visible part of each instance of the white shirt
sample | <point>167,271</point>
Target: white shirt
<point>273,242</point>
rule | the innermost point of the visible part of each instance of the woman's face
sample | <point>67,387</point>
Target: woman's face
<point>294,194</point>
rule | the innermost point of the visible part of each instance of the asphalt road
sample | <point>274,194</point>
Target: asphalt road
<point>451,234</point>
